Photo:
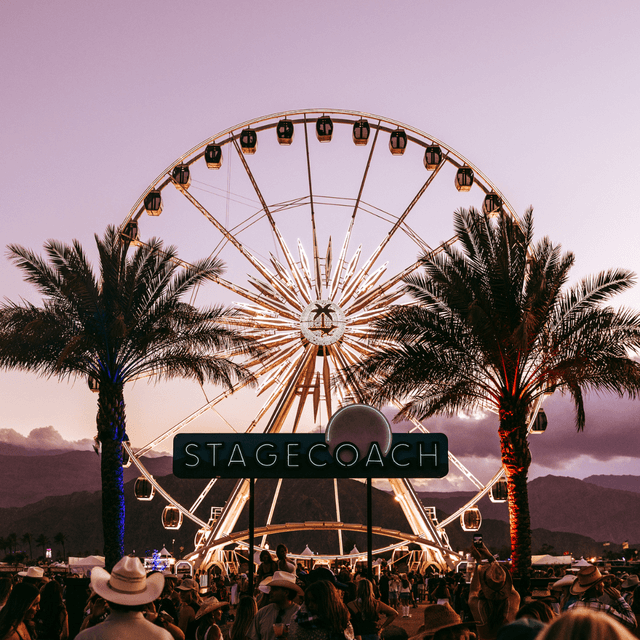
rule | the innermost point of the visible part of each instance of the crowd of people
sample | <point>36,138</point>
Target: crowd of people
<point>289,603</point>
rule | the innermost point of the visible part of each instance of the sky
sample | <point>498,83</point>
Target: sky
<point>98,98</point>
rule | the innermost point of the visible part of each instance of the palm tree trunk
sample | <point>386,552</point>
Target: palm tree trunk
<point>111,423</point>
<point>516,459</point>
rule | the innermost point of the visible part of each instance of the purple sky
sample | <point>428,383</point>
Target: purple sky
<point>97,99</point>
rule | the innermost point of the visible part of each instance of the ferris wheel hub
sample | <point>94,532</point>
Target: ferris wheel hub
<point>323,322</point>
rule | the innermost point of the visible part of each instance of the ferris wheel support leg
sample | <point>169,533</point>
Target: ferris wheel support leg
<point>418,520</point>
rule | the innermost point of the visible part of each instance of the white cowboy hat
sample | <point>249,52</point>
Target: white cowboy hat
<point>209,605</point>
<point>264,585</point>
<point>285,580</point>
<point>127,584</point>
<point>565,581</point>
<point>33,572</point>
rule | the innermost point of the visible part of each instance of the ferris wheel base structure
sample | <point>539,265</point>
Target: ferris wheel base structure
<point>433,544</point>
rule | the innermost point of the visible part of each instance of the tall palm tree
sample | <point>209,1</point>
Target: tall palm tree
<point>128,323</point>
<point>42,541</point>
<point>12,542</point>
<point>492,327</point>
<point>27,537</point>
<point>60,539</point>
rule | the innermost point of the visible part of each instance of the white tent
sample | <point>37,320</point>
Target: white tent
<point>307,551</point>
<point>547,560</point>
<point>582,563</point>
<point>84,565</point>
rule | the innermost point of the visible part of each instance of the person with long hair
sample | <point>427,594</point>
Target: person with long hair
<point>245,613</point>
<point>365,612</point>
<point>6,584</point>
<point>16,617</point>
<point>492,599</point>
<point>189,605</point>
<point>52,621</point>
<point>585,624</point>
<point>323,616</point>
<point>536,610</point>
<point>267,567</point>
<point>405,595</point>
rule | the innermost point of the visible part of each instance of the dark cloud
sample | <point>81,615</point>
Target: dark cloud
<point>43,438</point>
<point>612,431</point>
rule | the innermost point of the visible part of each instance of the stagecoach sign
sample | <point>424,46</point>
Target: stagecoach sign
<point>356,444</point>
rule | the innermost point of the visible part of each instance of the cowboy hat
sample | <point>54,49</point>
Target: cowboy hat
<point>587,577</point>
<point>209,605</point>
<point>631,582</point>
<point>495,582</point>
<point>565,581</point>
<point>441,616</point>
<point>37,573</point>
<point>188,585</point>
<point>264,584</point>
<point>286,581</point>
<point>322,573</point>
<point>127,584</point>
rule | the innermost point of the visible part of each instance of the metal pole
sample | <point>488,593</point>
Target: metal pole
<point>369,532</point>
<point>252,526</point>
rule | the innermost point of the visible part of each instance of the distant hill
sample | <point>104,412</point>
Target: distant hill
<point>623,483</point>
<point>61,492</point>
<point>564,504</point>
<point>27,479</point>
<point>78,517</point>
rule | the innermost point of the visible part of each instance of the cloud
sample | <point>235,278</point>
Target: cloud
<point>610,441</point>
<point>43,438</point>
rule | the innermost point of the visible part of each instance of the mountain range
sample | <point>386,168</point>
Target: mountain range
<point>61,493</point>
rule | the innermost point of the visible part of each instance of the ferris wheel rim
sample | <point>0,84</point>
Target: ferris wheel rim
<point>136,210</point>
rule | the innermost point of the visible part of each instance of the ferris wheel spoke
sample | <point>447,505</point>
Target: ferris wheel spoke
<point>190,418</point>
<point>225,232</point>
<point>203,495</point>
<point>290,377</point>
<point>364,270</point>
<point>316,257</point>
<point>271,510</point>
<point>344,363</point>
<point>326,379</point>
<point>305,389</point>
<point>418,426</point>
<point>356,206</point>
<point>304,291</point>
<point>285,402</point>
<point>378,292</point>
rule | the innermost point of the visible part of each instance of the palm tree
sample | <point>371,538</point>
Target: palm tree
<point>28,538</point>
<point>42,541</point>
<point>12,541</point>
<point>492,327</point>
<point>60,539</point>
<point>127,324</point>
<point>3,545</point>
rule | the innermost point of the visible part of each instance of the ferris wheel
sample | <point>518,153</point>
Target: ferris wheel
<point>319,214</point>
